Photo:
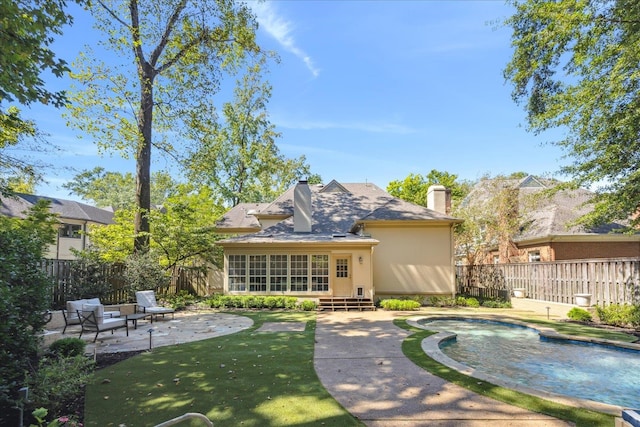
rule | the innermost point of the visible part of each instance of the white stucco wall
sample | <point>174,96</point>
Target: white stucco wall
<point>413,260</point>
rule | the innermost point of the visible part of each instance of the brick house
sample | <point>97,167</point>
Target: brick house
<point>548,233</point>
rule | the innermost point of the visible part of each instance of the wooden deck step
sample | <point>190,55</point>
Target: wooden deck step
<point>345,303</point>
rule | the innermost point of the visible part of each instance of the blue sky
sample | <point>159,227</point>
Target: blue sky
<point>368,91</point>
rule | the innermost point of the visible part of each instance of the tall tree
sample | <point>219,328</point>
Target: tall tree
<point>174,52</point>
<point>415,186</point>
<point>576,66</point>
<point>118,190</point>
<point>240,158</point>
<point>27,30</point>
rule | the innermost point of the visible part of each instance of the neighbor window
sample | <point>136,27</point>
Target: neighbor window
<point>70,230</point>
<point>534,256</point>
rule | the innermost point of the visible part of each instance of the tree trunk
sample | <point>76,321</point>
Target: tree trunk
<point>143,163</point>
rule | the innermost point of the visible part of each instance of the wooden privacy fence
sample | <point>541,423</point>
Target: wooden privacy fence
<point>608,281</point>
<point>194,280</point>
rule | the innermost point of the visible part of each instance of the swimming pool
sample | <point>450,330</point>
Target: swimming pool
<point>519,356</point>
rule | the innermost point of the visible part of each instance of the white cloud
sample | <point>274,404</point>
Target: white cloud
<point>281,30</point>
<point>373,127</point>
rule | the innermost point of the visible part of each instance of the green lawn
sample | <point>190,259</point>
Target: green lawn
<point>245,379</point>
<point>268,379</point>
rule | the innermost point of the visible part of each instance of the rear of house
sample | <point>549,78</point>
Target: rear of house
<point>340,240</point>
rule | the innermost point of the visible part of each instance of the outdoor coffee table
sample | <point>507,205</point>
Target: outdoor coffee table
<point>137,316</point>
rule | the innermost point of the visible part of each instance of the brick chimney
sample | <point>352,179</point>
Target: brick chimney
<point>302,208</point>
<point>439,199</point>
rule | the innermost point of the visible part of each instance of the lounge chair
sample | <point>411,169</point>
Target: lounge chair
<point>146,303</point>
<point>93,320</point>
<point>71,317</point>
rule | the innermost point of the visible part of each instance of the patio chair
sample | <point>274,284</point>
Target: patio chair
<point>71,317</point>
<point>93,320</point>
<point>146,303</point>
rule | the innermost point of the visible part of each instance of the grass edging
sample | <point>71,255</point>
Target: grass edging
<point>412,349</point>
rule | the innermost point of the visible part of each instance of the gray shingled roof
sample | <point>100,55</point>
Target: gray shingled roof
<point>16,206</point>
<point>545,216</point>
<point>336,209</point>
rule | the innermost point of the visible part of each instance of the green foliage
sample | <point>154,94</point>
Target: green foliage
<point>467,302</point>
<point>575,67</point>
<point>117,190</point>
<point>143,272</point>
<point>253,301</point>
<point>392,304</point>
<point>68,347</point>
<point>27,33</point>
<point>172,57</point>
<point>24,297</point>
<point>88,277</point>
<point>40,417</point>
<point>182,230</point>
<point>308,305</point>
<point>441,301</point>
<point>180,301</point>
<point>414,187</point>
<point>496,304</point>
<point>622,315</point>
<point>579,314</point>
<point>58,382</point>
<point>240,159</point>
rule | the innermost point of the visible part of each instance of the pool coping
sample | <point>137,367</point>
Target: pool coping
<point>431,347</point>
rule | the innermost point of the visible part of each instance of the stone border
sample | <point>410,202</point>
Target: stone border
<point>431,347</point>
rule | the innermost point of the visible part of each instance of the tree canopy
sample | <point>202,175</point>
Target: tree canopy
<point>576,66</point>
<point>27,30</point>
<point>172,54</point>
<point>415,186</point>
<point>118,190</point>
<point>239,158</point>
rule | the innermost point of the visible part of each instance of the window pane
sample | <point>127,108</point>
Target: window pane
<point>278,273</point>
<point>320,273</point>
<point>342,267</point>
<point>237,273</point>
<point>299,273</point>
<point>257,273</point>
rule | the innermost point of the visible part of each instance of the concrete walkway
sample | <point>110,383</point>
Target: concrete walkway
<point>359,359</point>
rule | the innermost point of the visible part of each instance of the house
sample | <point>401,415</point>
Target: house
<point>75,219</point>
<point>548,232</point>
<point>340,240</point>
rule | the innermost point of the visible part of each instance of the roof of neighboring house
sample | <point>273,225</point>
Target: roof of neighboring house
<point>545,215</point>
<point>337,210</point>
<point>69,209</point>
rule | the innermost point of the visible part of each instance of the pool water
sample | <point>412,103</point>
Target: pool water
<point>519,355</point>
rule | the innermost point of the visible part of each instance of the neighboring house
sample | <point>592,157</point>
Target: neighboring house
<point>340,240</point>
<point>75,219</point>
<point>548,232</point>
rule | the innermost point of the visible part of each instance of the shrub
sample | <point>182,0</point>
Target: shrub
<point>143,272</point>
<point>180,300</point>
<point>68,347</point>
<point>441,302</point>
<point>308,305</point>
<point>496,304</point>
<point>579,314</point>
<point>24,297</point>
<point>619,315</point>
<point>58,382</point>
<point>88,277</point>
<point>399,305</point>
